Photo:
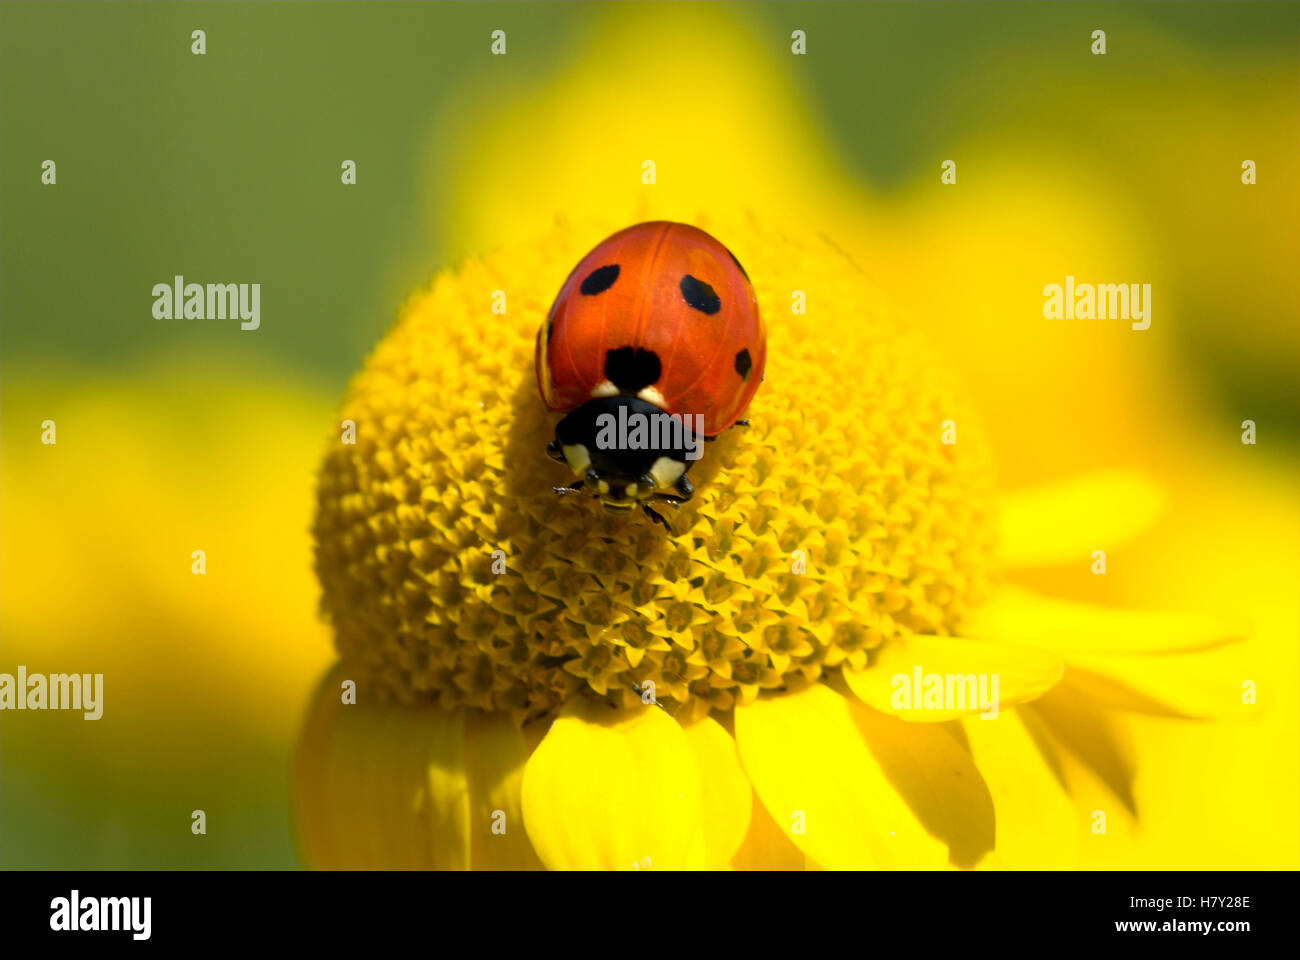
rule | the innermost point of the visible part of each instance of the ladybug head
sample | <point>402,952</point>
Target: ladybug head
<point>626,451</point>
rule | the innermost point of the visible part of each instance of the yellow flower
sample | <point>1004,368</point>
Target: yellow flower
<point>501,717</point>
<point>205,677</point>
<point>842,471</point>
<point>233,652</point>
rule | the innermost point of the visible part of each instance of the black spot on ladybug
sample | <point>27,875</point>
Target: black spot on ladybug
<point>600,280</point>
<point>700,295</point>
<point>744,364</point>
<point>739,265</point>
<point>632,368</point>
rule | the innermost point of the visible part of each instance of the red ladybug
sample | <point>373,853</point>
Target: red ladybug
<point>654,344</point>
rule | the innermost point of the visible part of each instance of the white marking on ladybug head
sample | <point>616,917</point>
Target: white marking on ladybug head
<point>652,395</point>
<point>630,489</point>
<point>605,388</point>
<point>603,486</point>
<point>577,457</point>
<point>667,471</point>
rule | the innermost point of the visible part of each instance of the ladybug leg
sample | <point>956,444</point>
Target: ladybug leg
<point>684,487</point>
<point>738,423</point>
<point>656,516</point>
<point>571,488</point>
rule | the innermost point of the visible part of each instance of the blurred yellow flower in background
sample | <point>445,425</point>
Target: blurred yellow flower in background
<point>205,676</point>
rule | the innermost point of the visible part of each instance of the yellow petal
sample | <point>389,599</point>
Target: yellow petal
<point>1019,616</point>
<point>932,770</point>
<point>1021,673</point>
<point>308,772</point>
<point>385,775</point>
<point>612,789</point>
<point>726,796</point>
<point>1232,786</point>
<point>1063,522</point>
<point>1036,822</point>
<point>766,846</point>
<point>380,786</point>
<point>495,753</point>
<point>1201,684</point>
<point>1096,740</point>
<point>438,800</point>
<point>808,761</point>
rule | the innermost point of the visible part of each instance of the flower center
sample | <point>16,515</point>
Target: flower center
<point>839,519</point>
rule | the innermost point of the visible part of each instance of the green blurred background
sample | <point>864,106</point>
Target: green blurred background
<point>225,167</point>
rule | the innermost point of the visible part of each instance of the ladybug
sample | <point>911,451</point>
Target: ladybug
<point>654,344</point>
